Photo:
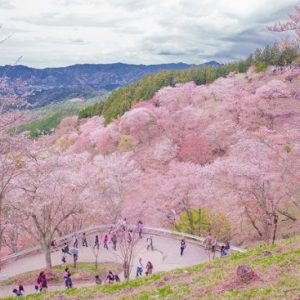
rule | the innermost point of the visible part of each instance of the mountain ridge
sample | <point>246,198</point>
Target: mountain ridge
<point>81,80</point>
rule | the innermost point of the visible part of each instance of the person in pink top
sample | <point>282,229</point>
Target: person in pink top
<point>105,242</point>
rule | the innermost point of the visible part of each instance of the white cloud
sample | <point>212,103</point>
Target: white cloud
<point>62,32</point>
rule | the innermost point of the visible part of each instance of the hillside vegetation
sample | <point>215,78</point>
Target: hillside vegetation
<point>276,268</point>
<point>44,120</point>
<point>122,99</point>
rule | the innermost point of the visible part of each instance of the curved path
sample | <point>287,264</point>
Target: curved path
<point>165,257</point>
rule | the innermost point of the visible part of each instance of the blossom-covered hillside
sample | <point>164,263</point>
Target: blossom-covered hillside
<point>233,146</point>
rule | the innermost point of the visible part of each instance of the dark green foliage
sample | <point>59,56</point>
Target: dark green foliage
<point>122,99</point>
<point>92,110</point>
<point>44,126</point>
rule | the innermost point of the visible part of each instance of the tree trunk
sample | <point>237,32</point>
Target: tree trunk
<point>275,221</point>
<point>96,262</point>
<point>47,252</point>
<point>191,221</point>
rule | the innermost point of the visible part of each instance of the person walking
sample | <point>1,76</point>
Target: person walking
<point>75,258</point>
<point>208,241</point>
<point>214,245</point>
<point>96,244</point>
<point>149,268</point>
<point>140,227</point>
<point>75,241</point>
<point>110,277</point>
<point>149,243</point>
<point>84,240</point>
<point>63,257</point>
<point>66,249</point>
<point>68,279</point>
<point>182,246</point>
<point>139,268</point>
<point>53,245</point>
<point>42,282</point>
<point>105,242</point>
<point>114,241</point>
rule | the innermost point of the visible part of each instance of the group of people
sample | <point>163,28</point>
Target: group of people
<point>41,285</point>
<point>211,244</point>
<point>140,268</point>
<point>19,291</point>
<point>110,278</point>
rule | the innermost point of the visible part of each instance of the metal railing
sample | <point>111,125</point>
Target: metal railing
<point>105,228</point>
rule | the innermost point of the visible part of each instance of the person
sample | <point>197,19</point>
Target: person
<point>98,280</point>
<point>63,257</point>
<point>36,289</point>
<point>214,245</point>
<point>117,278</point>
<point>140,227</point>
<point>110,277</point>
<point>42,281</point>
<point>208,241</point>
<point>114,241</point>
<point>223,251</point>
<point>53,245</point>
<point>16,292</point>
<point>84,240</point>
<point>75,241</point>
<point>124,224</point>
<point>105,242</point>
<point>75,258</point>
<point>21,290</point>
<point>139,268</point>
<point>149,243</point>
<point>68,279</point>
<point>227,245</point>
<point>182,246</point>
<point>149,268</point>
<point>96,245</point>
<point>65,249</point>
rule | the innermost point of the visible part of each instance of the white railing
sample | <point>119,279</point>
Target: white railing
<point>101,228</point>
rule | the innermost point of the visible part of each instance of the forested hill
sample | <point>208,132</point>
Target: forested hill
<point>84,80</point>
<point>122,99</point>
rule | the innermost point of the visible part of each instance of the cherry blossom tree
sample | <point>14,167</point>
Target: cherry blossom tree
<point>293,24</point>
<point>195,149</point>
<point>110,178</point>
<point>254,178</point>
<point>47,196</point>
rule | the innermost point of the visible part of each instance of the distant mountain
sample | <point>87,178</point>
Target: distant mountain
<point>84,80</point>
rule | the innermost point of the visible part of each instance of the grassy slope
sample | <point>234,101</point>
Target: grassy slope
<point>84,271</point>
<point>278,277</point>
<point>44,119</point>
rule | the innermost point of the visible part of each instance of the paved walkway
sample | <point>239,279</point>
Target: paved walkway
<point>165,257</point>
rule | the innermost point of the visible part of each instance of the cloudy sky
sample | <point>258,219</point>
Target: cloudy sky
<point>63,32</point>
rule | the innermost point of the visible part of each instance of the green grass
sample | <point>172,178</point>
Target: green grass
<point>47,118</point>
<point>278,274</point>
<point>57,273</point>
